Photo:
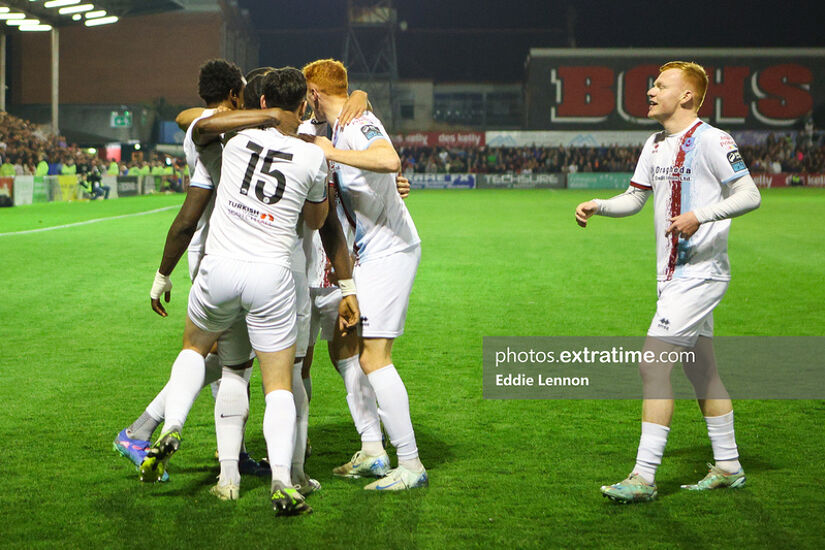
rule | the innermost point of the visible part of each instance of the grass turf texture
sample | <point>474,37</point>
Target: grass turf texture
<point>82,355</point>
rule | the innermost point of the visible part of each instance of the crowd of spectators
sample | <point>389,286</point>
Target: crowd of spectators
<point>26,150</point>
<point>805,153</point>
<point>523,160</point>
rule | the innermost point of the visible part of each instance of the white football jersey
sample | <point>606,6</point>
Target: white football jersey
<point>204,169</point>
<point>265,180</point>
<point>316,257</point>
<point>313,127</point>
<point>686,171</point>
<point>383,224</point>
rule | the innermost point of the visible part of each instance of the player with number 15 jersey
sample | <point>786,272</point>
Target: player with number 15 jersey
<point>266,175</point>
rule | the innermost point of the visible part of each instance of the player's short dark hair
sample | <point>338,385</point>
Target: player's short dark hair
<point>253,91</point>
<point>260,70</point>
<point>218,79</point>
<point>285,88</point>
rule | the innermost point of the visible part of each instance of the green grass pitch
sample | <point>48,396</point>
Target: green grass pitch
<point>81,354</point>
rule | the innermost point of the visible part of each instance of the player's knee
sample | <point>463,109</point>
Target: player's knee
<point>374,356</point>
<point>655,373</point>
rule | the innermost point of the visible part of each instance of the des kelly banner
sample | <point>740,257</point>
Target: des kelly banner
<point>439,139</point>
<point>575,89</point>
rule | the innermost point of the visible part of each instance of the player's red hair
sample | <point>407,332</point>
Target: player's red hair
<point>695,75</point>
<point>329,75</point>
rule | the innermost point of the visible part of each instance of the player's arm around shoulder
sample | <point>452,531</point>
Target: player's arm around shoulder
<point>316,205</point>
<point>187,117</point>
<point>368,148</point>
<point>209,129</point>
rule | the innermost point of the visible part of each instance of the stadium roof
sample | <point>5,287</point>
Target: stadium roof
<point>120,8</point>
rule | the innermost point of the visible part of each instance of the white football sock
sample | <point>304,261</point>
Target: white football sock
<point>361,399</point>
<point>723,441</point>
<point>231,413</point>
<point>301,422</point>
<point>145,425</point>
<point>372,448</point>
<point>394,410</point>
<point>279,432</point>
<point>185,382</point>
<point>651,449</point>
<point>157,407</point>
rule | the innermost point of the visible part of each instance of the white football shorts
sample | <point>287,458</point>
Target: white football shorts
<point>226,290</point>
<point>303,311</point>
<point>684,311</point>
<point>324,314</point>
<point>384,286</point>
<point>194,258</point>
<point>235,341</point>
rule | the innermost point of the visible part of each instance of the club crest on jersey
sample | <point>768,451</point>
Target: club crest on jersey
<point>371,131</point>
<point>688,144</point>
<point>736,162</point>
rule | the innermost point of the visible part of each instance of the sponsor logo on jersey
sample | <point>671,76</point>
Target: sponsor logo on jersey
<point>371,131</point>
<point>673,170</point>
<point>727,143</point>
<point>664,323</point>
<point>736,162</point>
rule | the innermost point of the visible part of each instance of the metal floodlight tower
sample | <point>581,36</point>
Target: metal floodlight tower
<point>370,55</point>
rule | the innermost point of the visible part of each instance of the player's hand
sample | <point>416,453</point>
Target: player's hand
<point>683,225</point>
<point>584,211</point>
<point>403,186</point>
<point>161,286</point>
<point>324,144</point>
<point>348,314</point>
<point>353,108</point>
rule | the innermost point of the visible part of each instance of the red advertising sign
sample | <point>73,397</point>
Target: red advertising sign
<point>606,89</point>
<point>439,139</point>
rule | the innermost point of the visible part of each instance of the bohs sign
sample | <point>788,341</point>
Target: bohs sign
<point>606,89</point>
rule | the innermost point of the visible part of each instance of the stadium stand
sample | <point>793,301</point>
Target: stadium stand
<point>25,150</point>
<point>805,154</point>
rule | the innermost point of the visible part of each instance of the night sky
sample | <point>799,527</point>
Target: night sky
<point>488,40</point>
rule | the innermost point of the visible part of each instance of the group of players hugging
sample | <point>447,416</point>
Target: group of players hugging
<point>296,226</point>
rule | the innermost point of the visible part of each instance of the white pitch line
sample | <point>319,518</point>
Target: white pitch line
<point>87,222</point>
